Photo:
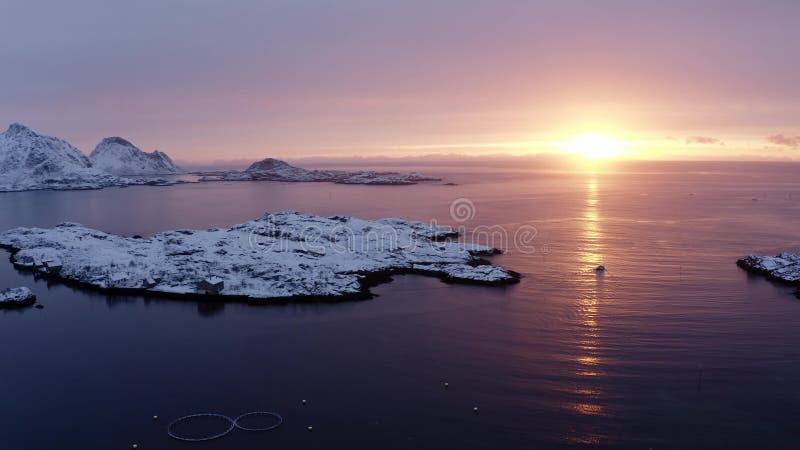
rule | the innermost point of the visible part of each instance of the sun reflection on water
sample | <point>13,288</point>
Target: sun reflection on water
<point>590,251</point>
<point>587,341</point>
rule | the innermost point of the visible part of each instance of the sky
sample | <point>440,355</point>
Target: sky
<point>213,80</point>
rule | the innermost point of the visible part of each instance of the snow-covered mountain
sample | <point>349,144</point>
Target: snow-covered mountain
<point>33,161</point>
<point>119,157</point>
<point>29,160</point>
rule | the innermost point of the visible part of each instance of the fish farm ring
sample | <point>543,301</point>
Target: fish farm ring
<point>190,417</point>
<point>234,423</point>
<point>258,413</point>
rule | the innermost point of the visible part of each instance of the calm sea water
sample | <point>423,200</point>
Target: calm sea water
<point>674,347</point>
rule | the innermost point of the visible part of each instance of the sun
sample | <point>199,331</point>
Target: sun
<point>595,146</point>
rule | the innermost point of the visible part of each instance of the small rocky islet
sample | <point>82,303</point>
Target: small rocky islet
<point>17,297</point>
<point>783,268</point>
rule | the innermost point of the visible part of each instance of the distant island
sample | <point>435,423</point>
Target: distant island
<point>271,169</point>
<point>33,161</point>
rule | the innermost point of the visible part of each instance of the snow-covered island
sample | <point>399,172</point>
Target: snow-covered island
<point>119,157</point>
<point>784,268</point>
<point>16,297</point>
<point>286,255</point>
<point>32,161</point>
<point>271,169</point>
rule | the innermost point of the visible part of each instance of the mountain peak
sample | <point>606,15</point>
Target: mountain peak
<point>117,140</point>
<point>120,157</point>
<point>29,160</point>
<point>18,128</point>
<point>269,164</point>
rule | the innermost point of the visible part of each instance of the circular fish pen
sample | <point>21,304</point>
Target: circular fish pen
<point>243,422</point>
<point>174,430</point>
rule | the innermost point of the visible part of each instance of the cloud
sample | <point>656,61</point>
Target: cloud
<point>783,140</point>
<point>703,140</point>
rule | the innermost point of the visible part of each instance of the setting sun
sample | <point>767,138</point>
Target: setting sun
<point>594,146</point>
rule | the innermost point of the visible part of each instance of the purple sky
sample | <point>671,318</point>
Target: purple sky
<point>207,80</point>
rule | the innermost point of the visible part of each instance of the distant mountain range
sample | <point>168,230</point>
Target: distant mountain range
<point>33,161</point>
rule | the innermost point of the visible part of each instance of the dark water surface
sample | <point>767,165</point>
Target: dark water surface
<point>674,347</point>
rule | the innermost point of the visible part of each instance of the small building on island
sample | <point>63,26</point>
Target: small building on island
<point>150,282</point>
<point>48,266</point>
<point>211,285</point>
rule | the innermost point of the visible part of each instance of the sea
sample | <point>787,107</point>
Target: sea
<point>672,346</point>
